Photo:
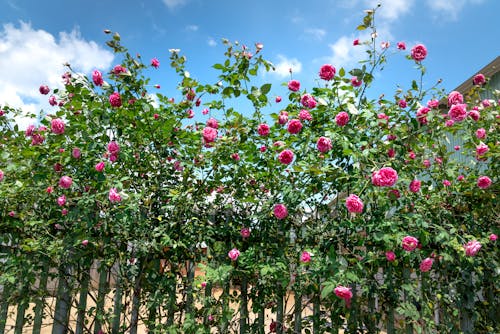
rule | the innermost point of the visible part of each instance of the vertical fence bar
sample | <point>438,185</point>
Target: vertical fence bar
<point>406,277</point>
<point>101,297</point>
<point>297,310</point>
<point>117,303</point>
<point>390,299</point>
<point>225,308</point>
<point>20,319</point>
<point>467,296</point>
<point>244,305</point>
<point>261,315</point>
<point>208,297</point>
<point>316,313</point>
<point>82,302</point>
<point>134,318</point>
<point>39,304</point>
<point>189,289</point>
<point>279,309</point>
<point>172,298</point>
<point>352,323</point>
<point>63,303</point>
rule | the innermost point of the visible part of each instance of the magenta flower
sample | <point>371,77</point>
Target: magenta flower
<point>286,157</point>
<point>209,134</point>
<point>355,82</point>
<point>97,78</point>
<point>472,247</point>
<point>65,182</point>
<point>409,243</point>
<point>76,153</point>
<point>294,126</point>
<point>308,101</point>
<point>2,174</point>
<point>57,126</point>
<point>61,200</point>
<point>263,129</point>
<point>354,204</point>
<point>324,144</point>
<point>343,292</point>
<point>415,186</point>
<point>479,79</point>
<point>245,232</point>
<point>212,122</point>
<point>390,256</point>
<point>342,118</point>
<point>283,117</point>
<point>294,85</point>
<point>305,257</point>
<point>385,177</point>
<point>401,46</point>
<point>155,63</point>
<point>305,115</point>
<point>233,254</point>
<point>99,166</point>
<point>44,89</point>
<point>280,211</point>
<point>455,98</point>
<point>481,149</point>
<point>493,237</point>
<point>418,52</point>
<point>114,196</point>
<point>402,103</point>
<point>458,112</point>
<point>426,264</point>
<point>483,182</point>
<point>113,147</point>
<point>327,72</point>
<point>115,100</point>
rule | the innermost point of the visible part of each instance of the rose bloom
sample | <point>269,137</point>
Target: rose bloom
<point>61,200</point>
<point>354,204</point>
<point>474,114</point>
<point>479,79</point>
<point>342,118</point>
<point>472,247</point>
<point>99,166</point>
<point>209,134</point>
<point>278,99</point>
<point>486,103</point>
<point>480,133</point>
<point>460,178</point>
<point>433,104</point>
<point>115,100</point>
<point>418,52</point>
<point>455,98</point>
<point>190,113</point>
<point>355,42</point>
<point>391,153</point>
<point>412,155</point>
<point>233,254</point>
<point>294,126</point>
<point>446,183</point>
<point>65,182</point>
<point>44,89</point>
<point>343,292</point>
<point>493,237</point>
<point>113,147</point>
<point>409,243</point>
<point>263,148</point>
<point>458,112</point>
<point>57,126</point>
<point>426,265</point>
<point>483,182</point>
<point>155,63</point>
<point>390,256</point>
<point>355,82</point>
<point>402,103</point>
<point>212,122</point>
<point>421,115</point>
<point>415,186</point>
<point>245,232</point>
<point>263,129</point>
<point>280,211</point>
<point>118,69</point>
<point>76,153</point>
<point>393,194</point>
<point>385,177</point>
<point>308,101</point>
<point>235,156</point>
<point>305,257</point>
<point>52,100</point>
<point>283,117</point>
<point>324,144</point>
<point>97,78</point>
<point>286,157</point>
<point>327,72</point>
<point>384,45</point>
<point>305,115</point>
<point>426,163</point>
<point>457,147</point>
<point>2,174</point>
<point>293,85</point>
<point>481,149</point>
<point>449,123</point>
<point>401,46</point>
<point>114,196</point>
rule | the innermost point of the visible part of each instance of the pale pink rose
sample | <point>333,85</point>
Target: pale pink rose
<point>385,177</point>
<point>99,166</point>
<point>324,144</point>
<point>426,264</point>
<point>438,160</point>
<point>205,111</point>
<point>97,78</point>
<point>155,63</point>
<point>233,254</point>
<point>481,149</point>
<point>263,129</point>
<point>479,79</point>
<point>327,72</point>
<point>293,85</point>
<point>458,112</point>
<point>305,257</point>
<point>209,134</point>
<point>390,256</point>
<point>114,196</point>
<point>65,182</point>
<point>455,98</point>
<point>57,126</point>
<point>446,183</point>
<point>343,292</point>
<point>421,115</point>
<point>305,115</point>
<point>212,122</point>
<point>415,186</point>
<point>76,153</point>
<point>113,147</point>
<point>308,101</point>
<point>409,243</point>
<point>433,104</point>
<point>493,237</point>
<point>29,130</point>
<point>384,45</point>
<point>294,126</point>
<point>480,133</point>
<point>354,204</point>
<point>44,89</point>
<point>418,52</point>
<point>2,174</point>
<point>401,46</point>
<point>472,247</point>
<point>286,157</point>
<point>483,182</point>
<point>283,117</point>
<point>115,99</point>
<point>402,103</point>
<point>245,232</point>
<point>342,118</point>
<point>355,82</point>
<point>85,242</point>
<point>280,211</point>
<point>61,200</point>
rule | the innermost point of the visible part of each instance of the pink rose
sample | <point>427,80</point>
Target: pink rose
<point>305,257</point>
<point>456,147</point>
<point>118,69</point>
<point>486,103</point>
<point>409,243</point>
<point>415,186</point>
<point>57,126</point>
<point>114,196</point>
<point>2,174</point>
<point>308,101</point>
<point>85,242</point>
<point>402,103</point>
<point>52,100</point>
<point>426,163</point>
<point>342,118</point>
<point>327,72</point>
<point>355,82</point>
<point>391,153</point>
<point>65,182</point>
<point>305,115</point>
<point>245,232</point>
<point>324,144</point>
<point>155,63</point>
<point>355,42</point>
<point>294,126</point>
<point>100,166</point>
<point>212,122</point>
<point>472,247</point>
<point>61,200</point>
<point>233,254</point>
<point>458,112</point>
<point>354,204</point>
<point>474,114</point>
<point>483,182</point>
<point>76,153</point>
<point>446,183</point>
<point>263,129</point>
<point>390,256</point>
<point>283,117</point>
<point>401,46</point>
<point>421,115</point>
<point>29,130</point>
<point>115,100</point>
<point>97,78</point>
<point>280,211</point>
<point>44,89</point>
<point>113,147</point>
<point>385,177</point>
<point>293,85</point>
<point>493,237</point>
<point>479,79</point>
<point>263,148</point>
<point>209,134</point>
<point>449,123</point>
<point>384,45</point>
<point>481,149</point>
<point>460,178</point>
<point>235,156</point>
<point>343,292</point>
<point>480,133</point>
<point>426,265</point>
<point>418,52</point>
<point>205,111</point>
<point>190,113</point>
<point>433,104</point>
<point>455,98</point>
<point>286,157</point>
<point>278,99</point>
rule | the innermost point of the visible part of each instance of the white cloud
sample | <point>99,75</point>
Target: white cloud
<point>192,27</point>
<point>284,65</point>
<point>172,4</point>
<point>211,42</point>
<point>30,58</point>
<point>450,10</point>
<point>390,10</point>
<point>316,33</point>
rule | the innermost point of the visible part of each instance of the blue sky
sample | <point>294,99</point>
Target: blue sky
<point>36,37</point>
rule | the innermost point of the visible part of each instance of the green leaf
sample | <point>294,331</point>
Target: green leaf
<point>265,88</point>
<point>361,27</point>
